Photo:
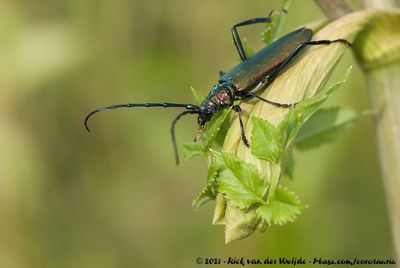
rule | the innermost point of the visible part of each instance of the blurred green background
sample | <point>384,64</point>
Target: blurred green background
<point>114,198</point>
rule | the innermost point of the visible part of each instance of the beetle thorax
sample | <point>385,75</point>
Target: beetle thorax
<point>221,97</point>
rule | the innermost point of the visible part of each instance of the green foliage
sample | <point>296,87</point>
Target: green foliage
<point>209,191</point>
<point>198,97</point>
<point>324,126</point>
<point>223,130</point>
<point>192,149</point>
<point>248,197</point>
<point>248,51</point>
<point>298,116</point>
<point>289,166</point>
<point>212,128</point>
<point>272,30</point>
<point>283,207</point>
<point>241,183</point>
<point>266,140</point>
<point>207,136</point>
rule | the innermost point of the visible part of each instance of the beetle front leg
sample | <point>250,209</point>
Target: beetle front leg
<point>235,35</point>
<point>237,109</point>
<point>236,38</point>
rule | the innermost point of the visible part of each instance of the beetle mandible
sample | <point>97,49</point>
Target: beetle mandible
<point>244,80</point>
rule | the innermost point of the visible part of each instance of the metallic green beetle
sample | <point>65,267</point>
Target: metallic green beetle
<point>243,80</point>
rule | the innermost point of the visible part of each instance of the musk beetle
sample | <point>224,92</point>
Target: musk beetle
<point>244,80</point>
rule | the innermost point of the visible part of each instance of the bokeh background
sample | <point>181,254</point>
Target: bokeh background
<point>114,198</point>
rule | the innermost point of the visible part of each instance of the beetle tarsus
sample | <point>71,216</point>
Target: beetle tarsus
<point>245,141</point>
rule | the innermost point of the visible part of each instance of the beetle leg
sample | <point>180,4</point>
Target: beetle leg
<point>237,109</point>
<point>236,38</point>
<point>293,54</point>
<point>327,42</point>
<point>272,76</point>
<point>282,105</point>
<point>235,35</point>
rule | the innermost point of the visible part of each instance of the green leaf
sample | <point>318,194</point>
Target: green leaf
<point>283,207</point>
<point>272,29</point>
<point>324,126</point>
<point>217,157</point>
<point>288,171</point>
<point>266,140</point>
<point>197,96</point>
<point>207,137</point>
<point>241,183</point>
<point>248,51</point>
<point>212,128</point>
<point>209,192</point>
<point>192,149</point>
<point>246,173</point>
<point>297,116</point>
<point>335,86</point>
<point>220,137</point>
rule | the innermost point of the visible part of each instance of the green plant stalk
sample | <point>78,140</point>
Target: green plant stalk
<point>380,58</point>
<point>303,79</point>
<point>383,84</point>
<point>379,3</point>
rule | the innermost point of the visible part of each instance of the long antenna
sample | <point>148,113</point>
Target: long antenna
<point>173,133</point>
<point>190,107</point>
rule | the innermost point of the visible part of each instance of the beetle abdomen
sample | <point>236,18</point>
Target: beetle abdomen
<point>246,75</point>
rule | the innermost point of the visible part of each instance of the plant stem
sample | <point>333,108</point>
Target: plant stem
<point>334,8</point>
<point>378,51</point>
<point>385,95</point>
<point>383,84</point>
<point>379,3</point>
<point>376,43</point>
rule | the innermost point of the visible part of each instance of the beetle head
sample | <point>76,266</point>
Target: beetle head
<point>206,111</point>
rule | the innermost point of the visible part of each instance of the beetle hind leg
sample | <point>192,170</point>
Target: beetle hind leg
<point>286,62</point>
<point>327,42</point>
<point>299,48</point>
<point>277,104</point>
